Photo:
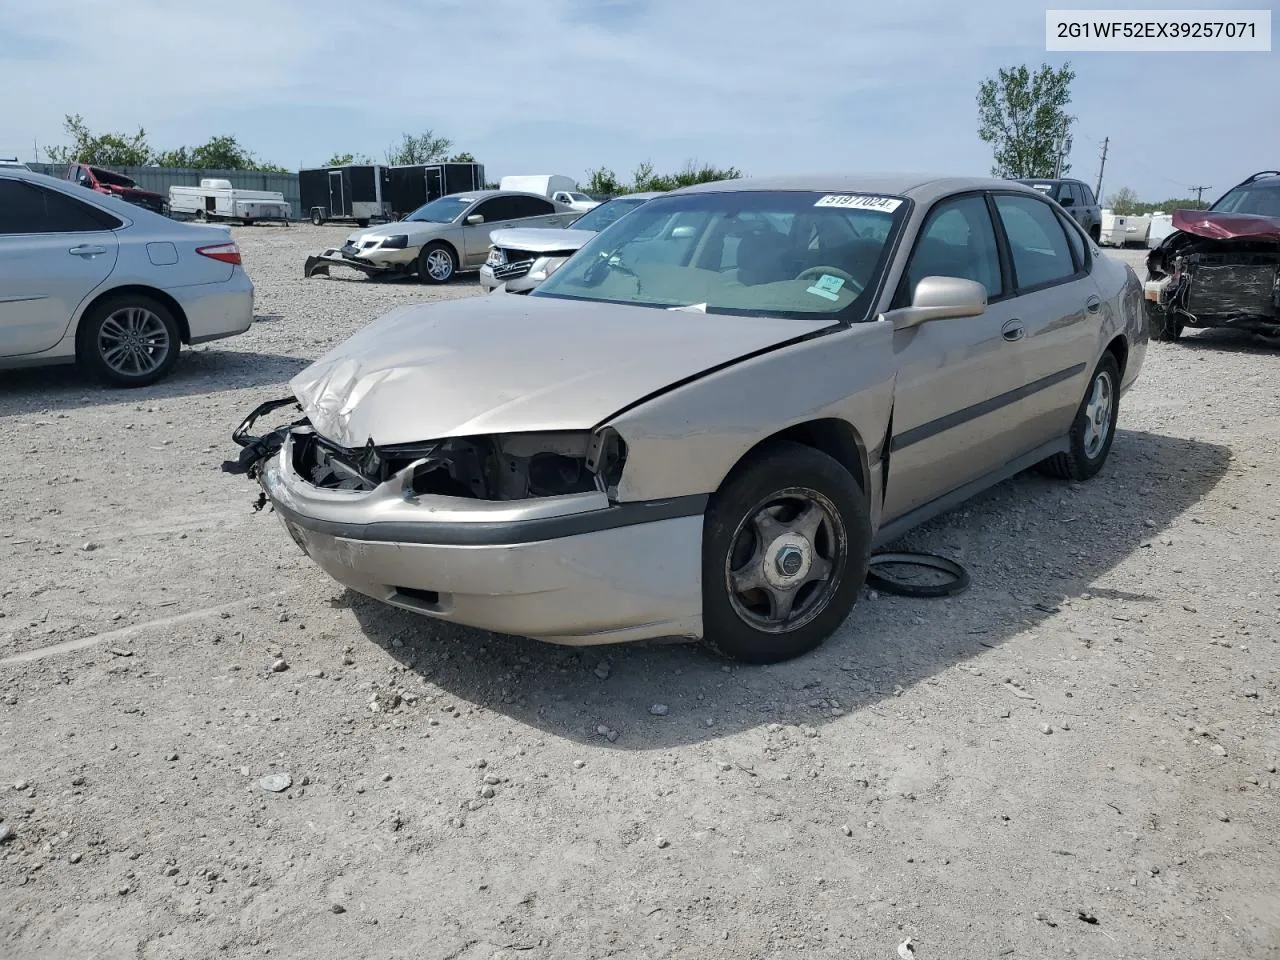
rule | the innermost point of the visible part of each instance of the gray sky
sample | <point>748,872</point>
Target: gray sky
<point>564,85</point>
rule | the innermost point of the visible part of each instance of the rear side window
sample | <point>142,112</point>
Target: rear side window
<point>1087,194</point>
<point>27,208</point>
<point>958,240</point>
<point>498,208</point>
<point>1037,241</point>
<point>532,206</point>
<point>1075,240</point>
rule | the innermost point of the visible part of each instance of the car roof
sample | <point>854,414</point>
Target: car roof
<point>1047,180</point>
<point>922,187</point>
<point>486,194</point>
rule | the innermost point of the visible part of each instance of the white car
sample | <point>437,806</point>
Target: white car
<point>90,279</point>
<point>575,200</point>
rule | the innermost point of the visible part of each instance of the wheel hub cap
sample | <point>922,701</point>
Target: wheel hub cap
<point>788,560</point>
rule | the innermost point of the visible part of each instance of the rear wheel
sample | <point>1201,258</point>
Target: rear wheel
<point>317,217</point>
<point>1094,427</point>
<point>436,263</point>
<point>362,223</point>
<point>128,341</point>
<point>785,551</point>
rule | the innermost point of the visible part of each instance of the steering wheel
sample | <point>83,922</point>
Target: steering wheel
<point>816,272</point>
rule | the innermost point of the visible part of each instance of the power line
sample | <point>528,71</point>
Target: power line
<point>1199,193</point>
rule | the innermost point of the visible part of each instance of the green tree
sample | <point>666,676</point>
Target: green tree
<point>603,181</point>
<point>1124,202</point>
<point>463,157</point>
<point>1023,116</point>
<point>346,159</point>
<point>645,178</point>
<point>218,153</point>
<point>426,147</point>
<point>105,150</point>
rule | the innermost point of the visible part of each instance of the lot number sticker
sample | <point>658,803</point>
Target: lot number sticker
<point>851,201</point>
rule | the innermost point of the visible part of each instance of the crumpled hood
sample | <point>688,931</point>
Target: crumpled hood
<point>488,365</point>
<point>539,241</point>
<point>415,230</point>
<point>1226,226</point>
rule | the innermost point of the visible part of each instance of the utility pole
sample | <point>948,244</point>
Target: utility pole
<point>1062,149</point>
<point>1199,194</point>
<point>1097,191</point>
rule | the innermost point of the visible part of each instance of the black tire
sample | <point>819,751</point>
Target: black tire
<point>247,221</point>
<point>792,476</point>
<point>317,218</point>
<point>362,223</point>
<point>433,256</point>
<point>1161,325</point>
<point>105,330</point>
<point>1080,462</point>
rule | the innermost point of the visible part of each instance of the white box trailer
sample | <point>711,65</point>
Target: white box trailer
<point>218,200</point>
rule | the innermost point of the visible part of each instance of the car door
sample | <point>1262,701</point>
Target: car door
<point>54,251</point>
<point>1091,212</point>
<point>498,212</point>
<point>1058,313</point>
<point>958,380</point>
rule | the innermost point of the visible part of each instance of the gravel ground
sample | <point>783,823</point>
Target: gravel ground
<point>1075,758</point>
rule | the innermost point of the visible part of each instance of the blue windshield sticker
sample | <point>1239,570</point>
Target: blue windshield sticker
<point>827,287</point>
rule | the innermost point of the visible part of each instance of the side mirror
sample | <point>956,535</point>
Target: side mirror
<point>1067,202</point>
<point>474,219</point>
<point>940,298</point>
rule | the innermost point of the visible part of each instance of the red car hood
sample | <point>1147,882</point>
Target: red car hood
<point>120,191</point>
<point>1226,226</point>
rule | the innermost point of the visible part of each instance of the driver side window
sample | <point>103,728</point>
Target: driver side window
<point>957,240</point>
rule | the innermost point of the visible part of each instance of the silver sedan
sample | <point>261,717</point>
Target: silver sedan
<point>89,279</point>
<point>705,421</point>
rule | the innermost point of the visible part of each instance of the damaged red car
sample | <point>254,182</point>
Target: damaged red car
<point>117,185</point>
<point>1220,267</point>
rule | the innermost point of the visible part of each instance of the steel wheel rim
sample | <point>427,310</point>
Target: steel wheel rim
<point>1097,414</point>
<point>133,341</point>
<point>786,560</point>
<point>439,265</point>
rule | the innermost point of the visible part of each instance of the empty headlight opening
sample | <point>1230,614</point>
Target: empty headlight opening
<point>509,467</point>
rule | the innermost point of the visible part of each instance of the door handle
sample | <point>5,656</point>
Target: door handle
<point>87,250</point>
<point>1013,331</point>
<point>1093,304</point>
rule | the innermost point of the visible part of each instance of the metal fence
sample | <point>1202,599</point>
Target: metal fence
<point>160,179</point>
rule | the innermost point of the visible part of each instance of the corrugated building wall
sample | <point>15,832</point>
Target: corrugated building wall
<point>160,179</point>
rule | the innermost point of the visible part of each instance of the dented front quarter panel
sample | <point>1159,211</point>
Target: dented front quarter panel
<point>685,441</point>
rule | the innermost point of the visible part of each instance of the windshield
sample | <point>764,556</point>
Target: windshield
<point>443,210</point>
<point>579,198</point>
<point>776,253</point>
<point>600,217</point>
<point>1259,199</point>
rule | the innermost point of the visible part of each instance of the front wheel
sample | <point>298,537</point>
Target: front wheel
<point>317,218</point>
<point>1094,427</point>
<point>436,264</point>
<point>785,551</point>
<point>128,341</point>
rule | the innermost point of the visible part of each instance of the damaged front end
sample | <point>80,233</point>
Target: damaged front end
<point>1216,270</point>
<point>508,467</point>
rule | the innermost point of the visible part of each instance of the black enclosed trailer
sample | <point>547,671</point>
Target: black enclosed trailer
<point>357,192</point>
<point>412,185</point>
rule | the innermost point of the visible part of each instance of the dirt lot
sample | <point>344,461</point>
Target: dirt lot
<point>1076,758</point>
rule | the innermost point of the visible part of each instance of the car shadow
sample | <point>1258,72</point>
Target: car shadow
<point>1225,340</point>
<point>1052,539</point>
<point>197,373</point>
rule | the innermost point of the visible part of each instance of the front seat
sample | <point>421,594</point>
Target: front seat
<point>764,257</point>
